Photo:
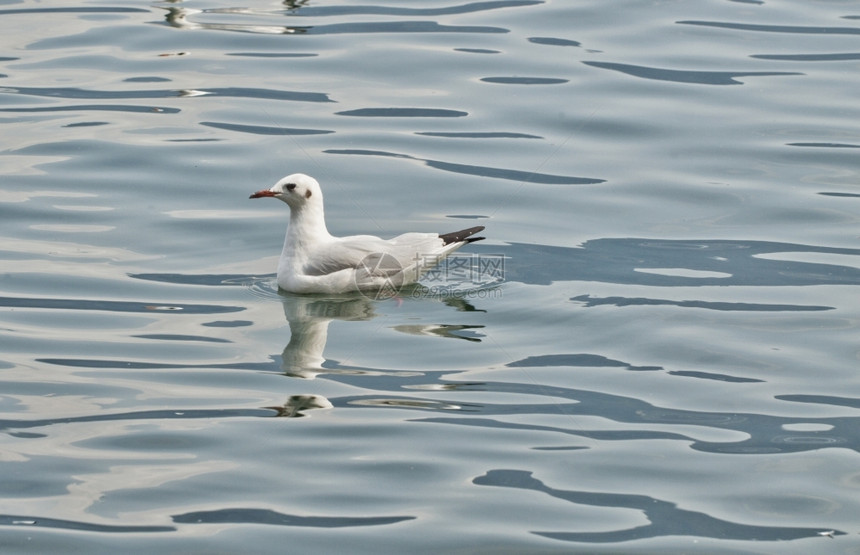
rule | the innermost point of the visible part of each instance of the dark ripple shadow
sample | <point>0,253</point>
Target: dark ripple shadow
<point>86,124</point>
<point>823,145</point>
<point>403,113</point>
<point>472,7</point>
<point>681,76</point>
<point>622,260</point>
<point>230,92</point>
<point>96,108</point>
<point>822,400</point>
<point>400,27</point>
<point>94,363</point>
<point>793,29</point>
<point>763,434</point>
<point>579,359</point>
<point>180,337</point>
<point>665,518</point>
<point>270,517</point>
<point>114,306</point>
<point>551,41</point>
<point>72,10</point>
<point>178,17</point>
<point>589,301</point>
<point>29,521</point>
<point>477,135</point>
<point>809,57</point>
<point>482,171</point>
<point>145,79</point>
<point>839,194</point>
<point>143,415</point>
<point>587,360</point>
<point>227,280</point>
<point>264,130</point>
<point>597,435</point>
<point>524,80</point>
<point>477,51</point>
<point>273,54</point>
<point>303,356</point>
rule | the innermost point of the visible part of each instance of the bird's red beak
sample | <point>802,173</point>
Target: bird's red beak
<point>263,193</point>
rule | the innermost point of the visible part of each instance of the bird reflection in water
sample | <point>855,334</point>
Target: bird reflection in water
<point>297,404</point>
<point>309,317</point>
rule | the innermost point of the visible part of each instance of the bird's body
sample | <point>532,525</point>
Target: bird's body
<point>314,261</point>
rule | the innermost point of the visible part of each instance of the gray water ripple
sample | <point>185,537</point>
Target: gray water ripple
<point>403,113</point>
<point>850,402</point>
<point>838,57</point>
<point>589,301</point>
<point>242,515</point>
<point>33,521</point>
<point>552,41</point>
<point>181,337</point>
<point>230,92</point>
<point>273,54</point>
<point>87,10</point>
<point>578,359</point>
<point>726,378</point>
<point>664,517</point>
<point>230,280</point>
<point>477,135</point>
<point>96,108</point>
<point>697,77</point>
<point>264,130</point>
<point>598,435</point>
<point>146,415</point>
<point>764,434</point>
<point>477,50</point>
<point>791,29</point>
<point>823,145</point>
<point>301,10</point>
<point>482,171</point>
<point>630,261</point>
<point>840,195</point>
<point>115,306</point>
<point>271,366</point>
<point>178,18</point>
<point>524,80</point>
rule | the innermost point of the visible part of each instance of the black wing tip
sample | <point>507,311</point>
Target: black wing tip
<point>462,236</point>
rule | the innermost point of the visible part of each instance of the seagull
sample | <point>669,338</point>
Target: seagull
<point>314,261</point>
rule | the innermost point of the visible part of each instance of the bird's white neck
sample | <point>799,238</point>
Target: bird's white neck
<point>307,224</point>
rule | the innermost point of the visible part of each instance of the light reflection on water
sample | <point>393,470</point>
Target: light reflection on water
<point>665,363</point>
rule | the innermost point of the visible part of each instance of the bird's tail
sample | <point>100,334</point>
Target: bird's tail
<point>462,236</point>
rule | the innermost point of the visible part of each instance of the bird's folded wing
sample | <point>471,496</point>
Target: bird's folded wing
<point>345,254</point>
<point>374,255</point>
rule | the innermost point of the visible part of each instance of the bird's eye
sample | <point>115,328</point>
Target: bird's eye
<point>291,186</point>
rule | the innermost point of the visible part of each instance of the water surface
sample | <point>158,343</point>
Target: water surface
<point>655,349</point>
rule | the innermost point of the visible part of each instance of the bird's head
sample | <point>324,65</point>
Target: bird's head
<point>296,190</point>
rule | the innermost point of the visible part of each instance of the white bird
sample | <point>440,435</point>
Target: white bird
<point>314,261</point>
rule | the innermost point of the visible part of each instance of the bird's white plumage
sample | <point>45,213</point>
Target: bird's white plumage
<point>314,261</point>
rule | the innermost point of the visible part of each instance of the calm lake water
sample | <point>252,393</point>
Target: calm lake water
<point>655,350</point>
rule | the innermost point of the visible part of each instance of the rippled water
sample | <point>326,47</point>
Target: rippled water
<point>656,348</point>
